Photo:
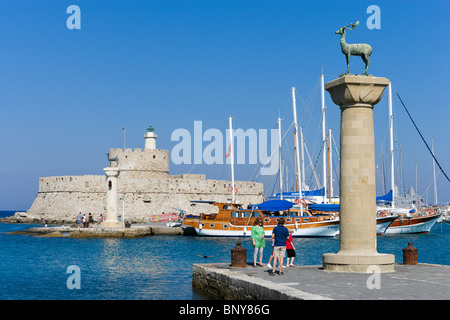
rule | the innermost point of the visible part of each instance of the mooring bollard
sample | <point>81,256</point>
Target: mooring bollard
<point>238,256</point>
<point>410,254</point>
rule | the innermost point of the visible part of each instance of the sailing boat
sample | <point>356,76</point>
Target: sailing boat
<point>320,202</point>
<point>412,221</point>
<point>234,221</point>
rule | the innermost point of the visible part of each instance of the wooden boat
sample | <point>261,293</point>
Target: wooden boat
<point>384,218</point>
<point>234,221</point>
<point>414,223</point>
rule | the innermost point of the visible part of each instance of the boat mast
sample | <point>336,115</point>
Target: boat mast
<point>330,166</point>
<point>279,158</point>
<point>302,156</point>
<point>324,140</point>
<point>391,137</point>
<point>417,190</point>
<point>297,153</point>
<point>231,158</point>
<point>434,175</point>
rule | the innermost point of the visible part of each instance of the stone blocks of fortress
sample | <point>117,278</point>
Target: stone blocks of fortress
<point>145,182</point>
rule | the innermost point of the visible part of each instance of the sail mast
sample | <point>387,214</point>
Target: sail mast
<point>231,158</point>
<point>330,165</point>
<point>297,153</point>
<point>324,140</point>
<point>391,137</point>
<point>434,175</point>
<point>279,158</point>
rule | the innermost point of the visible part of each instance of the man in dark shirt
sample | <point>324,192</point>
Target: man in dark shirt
<point>279,236</point>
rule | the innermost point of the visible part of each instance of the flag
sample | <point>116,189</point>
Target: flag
<point>229,152</point>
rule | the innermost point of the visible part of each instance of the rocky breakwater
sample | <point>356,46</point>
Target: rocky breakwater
<point>102,232</point>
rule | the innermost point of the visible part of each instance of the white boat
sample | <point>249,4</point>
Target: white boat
<point>413,223</point>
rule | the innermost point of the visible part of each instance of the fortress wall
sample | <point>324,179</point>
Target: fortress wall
<point>86,183</point>
<point>66,205</point>
<point>145,183</point>
<point>61,198</point>
<point>142,160</point>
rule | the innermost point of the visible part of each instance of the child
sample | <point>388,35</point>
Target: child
<point>290,250</point>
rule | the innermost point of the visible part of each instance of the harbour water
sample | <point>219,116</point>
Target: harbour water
<point>156,267</point>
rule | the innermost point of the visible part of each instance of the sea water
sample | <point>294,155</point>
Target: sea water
<point>155,267</point>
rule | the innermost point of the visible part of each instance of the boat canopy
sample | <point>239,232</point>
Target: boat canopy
<point>386,198</point>
<point>275,205</point>
<point>324,207</point>
<point>311,193</point>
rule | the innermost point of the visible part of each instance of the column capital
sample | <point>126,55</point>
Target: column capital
<point>111,171</point>
<point>356,91</point>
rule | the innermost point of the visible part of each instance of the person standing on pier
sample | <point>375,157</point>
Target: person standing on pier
<point>290,249</point>
<point>280,234</point>
<point>258,241</point>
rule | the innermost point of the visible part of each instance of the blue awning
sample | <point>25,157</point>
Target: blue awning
<point>275,205</point>
<point>318,192</point>
<point>387,197</point>
<point>324,207</point>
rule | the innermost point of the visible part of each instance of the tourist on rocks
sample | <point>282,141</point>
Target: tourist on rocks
<point>91,220</point>
<point>290,249</point>
<point>79,217</point>
<point>258,241</point>
<point>280,234</point>
<point>100,220</point>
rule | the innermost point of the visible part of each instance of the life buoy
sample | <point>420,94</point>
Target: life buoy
<point>297,201</point>
<point>230,188</point>
<point>235,190</point>
<point>303,202</point>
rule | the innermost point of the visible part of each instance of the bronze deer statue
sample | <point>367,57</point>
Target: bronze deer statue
<point>356,49</point>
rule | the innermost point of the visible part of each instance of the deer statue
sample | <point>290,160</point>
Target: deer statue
<point>356,49</point>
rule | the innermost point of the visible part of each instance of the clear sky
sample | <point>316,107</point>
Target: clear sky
<point>65,95</point>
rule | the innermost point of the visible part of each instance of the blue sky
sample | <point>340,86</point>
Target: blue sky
<point>66,94</point>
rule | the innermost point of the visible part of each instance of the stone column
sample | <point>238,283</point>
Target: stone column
<point>111,219</point>
<point>356,96</point>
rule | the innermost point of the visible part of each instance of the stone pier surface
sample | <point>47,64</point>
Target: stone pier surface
<point>408,282</point>
<point>135,231</point>
<point>356,97</point>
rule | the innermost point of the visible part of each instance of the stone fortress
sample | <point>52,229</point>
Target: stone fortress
<point>145,188</point>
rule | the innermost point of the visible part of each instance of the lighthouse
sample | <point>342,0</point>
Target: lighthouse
<point>150,139</point>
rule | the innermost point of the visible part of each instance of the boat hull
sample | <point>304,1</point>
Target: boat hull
<point>314,229</point>
<point>383,223</point>
<point>422,224</point>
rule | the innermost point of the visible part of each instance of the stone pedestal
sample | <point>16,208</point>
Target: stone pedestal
<point>356,96</point>
<point>111,219</point>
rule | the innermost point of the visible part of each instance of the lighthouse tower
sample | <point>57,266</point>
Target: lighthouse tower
<point>150,139</point>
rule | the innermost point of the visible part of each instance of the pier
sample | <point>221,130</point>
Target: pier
<point>138,230</point>
<point>408,282</point>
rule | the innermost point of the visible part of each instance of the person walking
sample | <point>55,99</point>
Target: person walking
<point>280,234</point>
<point>290,249</point>
<point>258,240</point>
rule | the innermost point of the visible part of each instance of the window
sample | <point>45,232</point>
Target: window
<point>245,214</point>
<point>234,214</point>
<point>110,184</point>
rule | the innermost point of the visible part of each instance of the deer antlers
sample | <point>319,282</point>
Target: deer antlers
<point>351,24</point>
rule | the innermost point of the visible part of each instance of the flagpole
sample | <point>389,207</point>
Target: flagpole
<point>123,138</point>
